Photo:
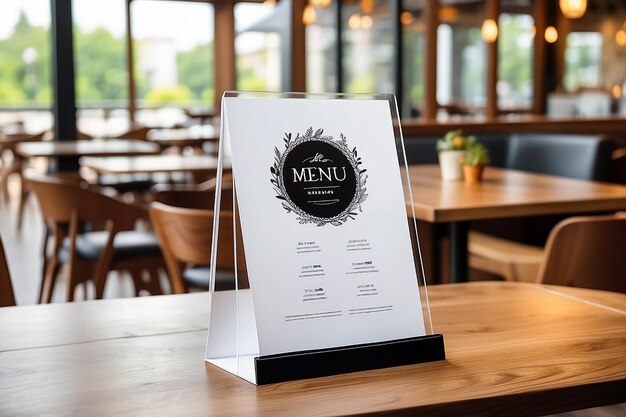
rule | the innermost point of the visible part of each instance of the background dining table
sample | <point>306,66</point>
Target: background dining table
<point>93,147</point>
<point>502,193</point>
<point>511,348</point>
<point>198,164</point>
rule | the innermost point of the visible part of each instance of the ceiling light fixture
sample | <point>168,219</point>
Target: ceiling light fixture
<point>406,18</point>
<point>321,4</point>
<point>551,35</point>
<point>489,31</point>
<point>620,37</point>
<point>309,16</point>
<point>354,21</point>
<point>573,9</point>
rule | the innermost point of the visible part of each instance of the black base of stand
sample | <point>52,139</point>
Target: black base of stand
<point>323,362</point>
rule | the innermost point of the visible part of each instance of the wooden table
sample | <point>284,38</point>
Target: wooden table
<point>198,164</point>
<point>503,193</point>
<point>512,348</point>
<point>180,138</point>
<point>109,147</point>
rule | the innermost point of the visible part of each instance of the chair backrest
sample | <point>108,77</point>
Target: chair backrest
<point>60,200</point>
<point>140,133</point>
<point>10,141</point>
<point>586,252</point>
<point>194,196</point>
<point>7,298</point>
<point>576,156</point>
<point>618,166</point>
<point>185,236</point>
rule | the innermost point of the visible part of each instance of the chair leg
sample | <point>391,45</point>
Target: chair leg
<point>21,207</point>
<point>48,281</point>
<point>4,185</point>
<point>55,274</point>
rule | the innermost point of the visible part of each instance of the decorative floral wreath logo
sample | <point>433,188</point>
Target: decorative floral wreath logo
<point>341,144</point>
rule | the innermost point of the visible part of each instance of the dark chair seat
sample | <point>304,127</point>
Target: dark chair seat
<point>126,244</point>
<point>198,277</point>
<point>126,183</point>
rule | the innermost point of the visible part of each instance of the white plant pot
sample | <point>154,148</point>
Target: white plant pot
<point>450,163</point>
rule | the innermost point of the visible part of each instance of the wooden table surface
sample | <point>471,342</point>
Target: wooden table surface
<point>512,349</point>
<point>507,193</point>
<point>151,164</point>
<point>108,147</point>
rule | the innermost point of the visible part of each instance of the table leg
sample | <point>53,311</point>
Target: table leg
<point>458,251</point>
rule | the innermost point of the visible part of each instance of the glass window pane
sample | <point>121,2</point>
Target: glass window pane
<point>461,60</point>
<point>101,74</point>
<point>258,45</point>
<point>173,44</point>
<point>321,51</point>
<point>368,47</point>
<point>25,83</point>
<point>583,57</point>
<point>413,58</point>
<point>515,61</point>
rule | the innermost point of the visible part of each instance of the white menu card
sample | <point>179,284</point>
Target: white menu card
<point>324,223</point>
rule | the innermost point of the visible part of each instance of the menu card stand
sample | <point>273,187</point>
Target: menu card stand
<point>233,341</point>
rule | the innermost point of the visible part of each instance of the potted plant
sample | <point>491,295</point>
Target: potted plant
<point>474,161</point>
<point>451,149</point>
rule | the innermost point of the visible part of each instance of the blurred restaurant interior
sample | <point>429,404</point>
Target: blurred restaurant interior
<point>110,116</point>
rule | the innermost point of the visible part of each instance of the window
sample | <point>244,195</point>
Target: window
<point>258,45</point>
<point>515,61</point>
<point>368,53</point>
<point>25,87</point>
<point>101,75</point>
<point>413,58</point>
<point>321,51</point>
<point>173,52</point>
<point>583,56</point>
<point>461,68</point>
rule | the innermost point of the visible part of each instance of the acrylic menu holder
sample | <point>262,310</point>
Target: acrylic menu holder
<point>233,341</point>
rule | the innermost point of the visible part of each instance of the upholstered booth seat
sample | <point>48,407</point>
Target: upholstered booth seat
<point>576,156</point>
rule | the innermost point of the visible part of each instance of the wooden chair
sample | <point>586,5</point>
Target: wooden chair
<point>139,133</point>
<point>7,298</point>
<point>512,260</point>
<point>15,164</point>
<point>185,236</point>
<point>194,196</point>
<point>586,252</point>
<point>90,255</point>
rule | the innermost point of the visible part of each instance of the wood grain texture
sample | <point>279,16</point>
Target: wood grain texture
<point>511,349</point>
<point>507,193</point>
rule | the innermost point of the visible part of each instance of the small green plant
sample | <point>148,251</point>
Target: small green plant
<point>455,140</point>
<point>476,154</point>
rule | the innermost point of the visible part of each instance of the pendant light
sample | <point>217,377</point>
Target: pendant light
<point>573,9</point>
